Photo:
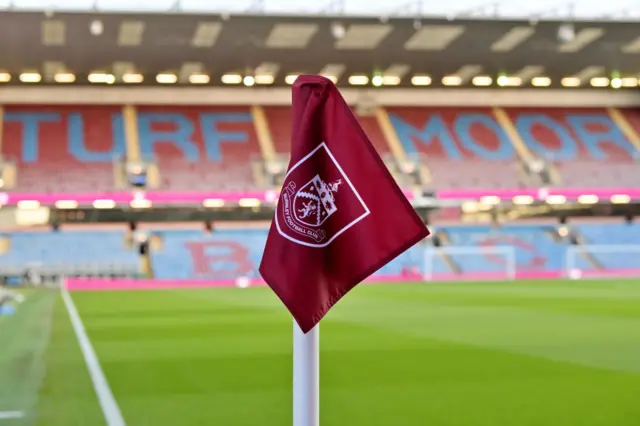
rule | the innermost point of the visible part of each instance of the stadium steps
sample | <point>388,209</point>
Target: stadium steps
<point>144,259</point>
<point>514,137</point>
<point>5,245</point>
<point>153,175</point>
<point>399,155</point>
<point>145,265</point>
<point>444,239</point>
<point>119,175</point>
<point>525,155</point>
<point>265,143</point>
<point>624,125</point>
<point>9,175</point>
<point>9,171</point>
<point>579,240</point>
<point>156,245</point>
<point>132,139</point>
<point>132,143</point>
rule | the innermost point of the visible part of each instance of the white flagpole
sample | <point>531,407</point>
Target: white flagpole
<point>306,376</point>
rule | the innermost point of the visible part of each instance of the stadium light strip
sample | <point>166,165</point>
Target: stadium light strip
<point>470,207</point>
<point>523,199</point>
<point>491,200</point>
<point>66,204</point>
<point>264,79</point>
<point>482,80</point>
<point>541,81</point>
<point>556,199</point>
<point>140,204</point>
<point>101,78</point>
<point>358,80</point>
<point>390,80</point>
<point>249,202</point>
<point>599,82</point>
<point>620,199</point>
<point>588,199</point>
<point>570,82</point>
<point>421,80</point>
<point>506,81</point>
<point>213,202</point>
<point>451,80</point>
<point>629,82</point>
<point>132,78</point>
<point>104,204</point>
<point>199,79</point>
<point>166,78</point>
<point>231,79</point>
<point>30,77</point>
<point>290,79</point>
<point>65,77</point>
<point>28,204</point>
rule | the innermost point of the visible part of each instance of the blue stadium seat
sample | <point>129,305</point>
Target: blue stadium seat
<point>535,249</point>
<point>228,254</point>
<point>617,235</point>
<point>224,254</point>
<point>68,251</point>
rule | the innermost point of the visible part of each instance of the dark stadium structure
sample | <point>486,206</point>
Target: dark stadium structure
<point>142,157</point>
<point>137,118</point>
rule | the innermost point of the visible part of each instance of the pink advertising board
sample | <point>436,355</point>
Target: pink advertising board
<point>126,197</point>
<point>101,284</point>
<point>186,198</point>
<point>538,193</point>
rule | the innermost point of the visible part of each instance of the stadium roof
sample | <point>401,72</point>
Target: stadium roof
<point>576,9</point>
<point>172,48</point>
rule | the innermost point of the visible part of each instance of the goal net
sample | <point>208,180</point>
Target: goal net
<point>469,263</point>
<point>600,261</point>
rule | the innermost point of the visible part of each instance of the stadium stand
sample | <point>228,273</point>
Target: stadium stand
<point>181,254</point>
<point>465,148</point>
<point>86,253</point>
<point>63,148</point>
<point>536,247</point>
<point>279,120</point>
<point>199,148</point>
<point>225,254</point>
<point>193,254</point>
<point>619,246</point>
<point>587,146</point>
<point>224,148</point>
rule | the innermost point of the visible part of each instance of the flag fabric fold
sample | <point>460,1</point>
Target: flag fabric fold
<point>340,216</point>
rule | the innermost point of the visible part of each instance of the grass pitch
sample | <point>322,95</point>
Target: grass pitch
<point>477,354</point>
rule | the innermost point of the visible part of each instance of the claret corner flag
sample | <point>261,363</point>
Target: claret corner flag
<point>340,216</point>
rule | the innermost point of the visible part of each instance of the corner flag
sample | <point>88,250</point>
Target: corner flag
<point>341,216</point>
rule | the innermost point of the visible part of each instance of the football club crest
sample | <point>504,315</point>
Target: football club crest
<point>315,202</point>
<point>318,201</point>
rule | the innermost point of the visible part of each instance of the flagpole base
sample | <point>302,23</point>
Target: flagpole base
<point>306,376</point>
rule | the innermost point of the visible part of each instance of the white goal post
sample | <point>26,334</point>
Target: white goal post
<point>483,263</point>
<point>601,259</point>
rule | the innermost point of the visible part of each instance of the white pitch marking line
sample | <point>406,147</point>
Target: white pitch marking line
<point>110,409</point>
<point>5,415</point>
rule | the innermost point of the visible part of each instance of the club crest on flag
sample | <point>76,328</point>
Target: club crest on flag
<point>315,202</point>
<point>310,210</point>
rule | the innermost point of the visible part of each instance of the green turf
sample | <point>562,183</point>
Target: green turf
<point>517,354</point>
